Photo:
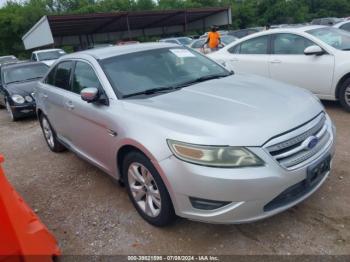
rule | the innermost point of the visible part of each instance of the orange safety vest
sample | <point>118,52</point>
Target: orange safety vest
<point>213,39</point>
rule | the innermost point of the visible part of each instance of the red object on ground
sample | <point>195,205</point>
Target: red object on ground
<point>23,237</point>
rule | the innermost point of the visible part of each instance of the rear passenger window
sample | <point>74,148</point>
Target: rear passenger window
<point>50,79</point>
<point>255,46</point>
<point>84,77</point>
<point>235,49</point>
<point>62,76</point>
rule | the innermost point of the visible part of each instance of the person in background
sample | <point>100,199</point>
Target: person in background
<point>267,27</point>
<point>213,39</point>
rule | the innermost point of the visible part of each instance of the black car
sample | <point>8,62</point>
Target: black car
<point>17,83</point>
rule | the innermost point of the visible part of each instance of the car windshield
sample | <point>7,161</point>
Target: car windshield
<point>228,39</point>
<point>50,55</point>
<point>334,37</point>
<point>24,73</point>
<point>163,68</point>
<point>185,40</point>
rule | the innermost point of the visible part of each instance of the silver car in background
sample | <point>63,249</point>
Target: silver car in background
<point>186,136</point>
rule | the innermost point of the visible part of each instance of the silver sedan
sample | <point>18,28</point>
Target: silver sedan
<point>186,136</point>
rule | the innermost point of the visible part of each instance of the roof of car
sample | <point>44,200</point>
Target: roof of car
<point>8,56</point>
<point>341,23</point>
<point>47,50</point>
<point>300,29</point>
<point>176,37</point>
<point>102,53</point>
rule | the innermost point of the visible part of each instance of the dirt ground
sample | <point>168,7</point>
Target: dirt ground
<point>89,214</point>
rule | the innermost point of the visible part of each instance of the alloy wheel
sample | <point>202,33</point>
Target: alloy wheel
<point>48,133</point>
<point>144,189</point>
<point>347,95</point>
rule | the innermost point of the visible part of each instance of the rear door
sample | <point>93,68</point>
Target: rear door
<point>289,64</point>
<point>53,94</point>
<point>251,56</point>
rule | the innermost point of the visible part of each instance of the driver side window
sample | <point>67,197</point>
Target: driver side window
<point>289,44</point>
<point>84,76</point>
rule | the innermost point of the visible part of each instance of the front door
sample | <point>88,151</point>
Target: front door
<point>87,124</point>
<point>289,64</point>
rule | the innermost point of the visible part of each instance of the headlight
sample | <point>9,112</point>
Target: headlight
<point>215,156</point>
<point>18,99</point>
<point>29,99</point>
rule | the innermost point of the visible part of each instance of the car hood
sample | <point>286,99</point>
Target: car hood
<point>240,110</point>
<point>24,88</point>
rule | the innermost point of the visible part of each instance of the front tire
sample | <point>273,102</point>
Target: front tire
<point>13,117</point>
<point>344,95</point>
<point>50,135</point>
<point>147,191</point>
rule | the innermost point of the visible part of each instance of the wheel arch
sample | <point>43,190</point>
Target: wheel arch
<point>39,113</point>
<point>340,83</point>
<point>132,145</point>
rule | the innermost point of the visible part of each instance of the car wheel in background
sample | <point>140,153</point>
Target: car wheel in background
<point>147,190</point>
<point>344,95</point>
<point>11,114</point>
<point>50,135</point>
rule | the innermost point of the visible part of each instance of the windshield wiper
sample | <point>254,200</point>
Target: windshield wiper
<point>12,82</point>
<point>24,80</point>
<point>346,49</point>
<point>173,88</point>
<point>151,91</point>
<point>204,78</point>
<point>33,78</point>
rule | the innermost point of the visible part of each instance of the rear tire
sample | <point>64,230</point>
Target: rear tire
<point>50,135</point>
<point>147,191</point>
<point>344,95</point>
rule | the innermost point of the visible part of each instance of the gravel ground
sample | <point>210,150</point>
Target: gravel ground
<point>89,214</point>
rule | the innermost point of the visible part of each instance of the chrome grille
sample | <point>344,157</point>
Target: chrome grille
<point>294,151</point>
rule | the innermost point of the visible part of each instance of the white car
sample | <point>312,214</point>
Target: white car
<point>316,58</point>
<point>47,56</point>
<point>184,40</point>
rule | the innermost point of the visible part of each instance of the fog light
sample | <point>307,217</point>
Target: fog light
<point>206,204</point>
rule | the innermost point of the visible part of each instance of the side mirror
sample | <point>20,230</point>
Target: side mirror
<point>314,50</point>
<point>89,94</point>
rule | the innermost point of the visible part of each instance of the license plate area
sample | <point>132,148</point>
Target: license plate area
<point>318,170</point>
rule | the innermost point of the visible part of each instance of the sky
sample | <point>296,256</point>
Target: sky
<point>2,2</point>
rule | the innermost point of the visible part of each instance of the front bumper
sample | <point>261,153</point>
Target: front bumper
<point>24,110</point>
<point>248,190</point>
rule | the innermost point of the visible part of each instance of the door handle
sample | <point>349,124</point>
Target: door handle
<point>234,60</point>
<point>45,96</point>
<point>276,61</point>
<point>70,105</point>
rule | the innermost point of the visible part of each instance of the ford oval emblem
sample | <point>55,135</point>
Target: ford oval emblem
<point>313,141</point>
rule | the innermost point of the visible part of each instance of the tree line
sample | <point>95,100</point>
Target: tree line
<point>16,18</point>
